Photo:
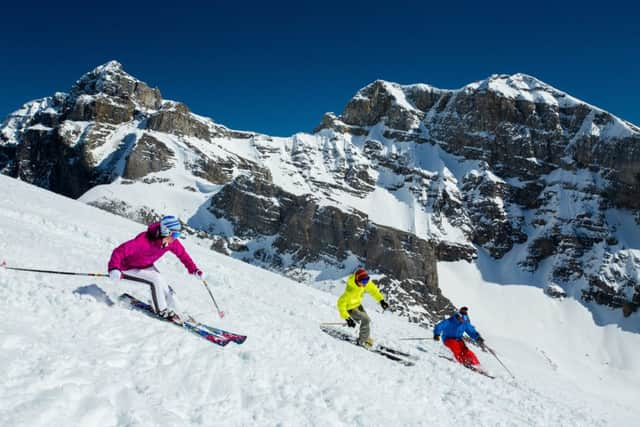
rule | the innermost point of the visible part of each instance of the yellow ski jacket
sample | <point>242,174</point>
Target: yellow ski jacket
<point>352,296</point>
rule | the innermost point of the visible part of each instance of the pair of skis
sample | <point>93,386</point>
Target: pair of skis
<point>475,368</point>
<point>396,355</point>
<point>214,335</point>
<point>222,337</point>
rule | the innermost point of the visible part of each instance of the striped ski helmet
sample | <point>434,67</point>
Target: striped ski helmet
<point>170,225</point>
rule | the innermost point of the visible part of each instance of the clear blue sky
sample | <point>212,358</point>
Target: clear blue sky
<point>276,67</point>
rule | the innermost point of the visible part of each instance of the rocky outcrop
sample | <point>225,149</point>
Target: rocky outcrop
<point>385,102</point>
<point>110,81</point>
<point>555,291</point>
<point>176,119</point>
<point>44,159</point>
<point>616,283</point>
<point>148,156</point>
<point>310,232</point>
<point>101,109</point>
<point>494,228</point>
<point>451,251</point>
<point>118,207</point>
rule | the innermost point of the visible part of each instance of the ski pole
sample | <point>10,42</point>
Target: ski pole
<point>220,313</point>
<point>68,273</point>
<point>498,359</point>
<point>414,339</point>
<point>333,324</point>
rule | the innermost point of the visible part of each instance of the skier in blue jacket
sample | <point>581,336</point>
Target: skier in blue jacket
<point>452,330</point>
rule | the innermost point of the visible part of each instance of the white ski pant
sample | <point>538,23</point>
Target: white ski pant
<point>161,293</point>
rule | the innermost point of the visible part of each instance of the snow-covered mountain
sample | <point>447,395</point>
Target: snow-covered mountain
<point>408,175</point>
<point>70,358</point>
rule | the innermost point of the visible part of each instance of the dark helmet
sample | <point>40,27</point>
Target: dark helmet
<point>462,314</point>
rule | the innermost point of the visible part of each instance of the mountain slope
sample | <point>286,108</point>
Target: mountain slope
<point>69,359</point>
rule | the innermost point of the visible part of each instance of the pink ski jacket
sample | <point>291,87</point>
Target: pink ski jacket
<point>146,249</point>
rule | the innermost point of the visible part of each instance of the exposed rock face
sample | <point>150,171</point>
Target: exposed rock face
<point>37,149</point>
<point>375,103</point>
<point>493,227</point>
<point>508,133</point>
<point>149,155</point>
<point>178,121</point>
<point>311,232</point>
<point>217,172</point>
<point>44,159</point>
<point>446,251</point>
<point>101,109</point>
<point>555,291</point>
<point>616,283</point>
<point>118,207</point>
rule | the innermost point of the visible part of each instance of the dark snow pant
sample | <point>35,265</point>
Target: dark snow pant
<point>461,352</point>
<point>359,315</point>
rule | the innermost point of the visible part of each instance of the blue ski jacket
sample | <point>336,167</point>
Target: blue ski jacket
<point>454,328</point>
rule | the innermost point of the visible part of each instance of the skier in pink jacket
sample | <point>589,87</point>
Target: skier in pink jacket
<point>136,257</point>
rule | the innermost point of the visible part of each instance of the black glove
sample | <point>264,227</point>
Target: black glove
<point>350,322</point>
<point>384,304</point>
<point>480,341</point>
<point>436,337</point>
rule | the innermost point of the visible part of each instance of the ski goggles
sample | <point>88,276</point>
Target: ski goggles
<point>462,317</point>
<point>364,281</point>
<point>175,234</point>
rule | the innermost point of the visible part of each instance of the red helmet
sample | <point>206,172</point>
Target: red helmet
<point>361,275</point>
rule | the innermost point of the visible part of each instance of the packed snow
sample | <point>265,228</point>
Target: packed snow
<point>72,355</point>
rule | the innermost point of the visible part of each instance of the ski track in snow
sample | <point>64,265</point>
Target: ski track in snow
<point>70,359</point>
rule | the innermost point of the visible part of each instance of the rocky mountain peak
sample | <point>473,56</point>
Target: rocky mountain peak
<point>407,97</point>
<point>110,80</point>
<point>399,106</point>
<point>523,87</point>
<point>520,81</point>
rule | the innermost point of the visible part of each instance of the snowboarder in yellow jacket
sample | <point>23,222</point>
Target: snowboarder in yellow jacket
<point>350,304</point>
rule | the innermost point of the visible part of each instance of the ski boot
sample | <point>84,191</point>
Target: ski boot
<point>368,343</point>
<point>171,316</point>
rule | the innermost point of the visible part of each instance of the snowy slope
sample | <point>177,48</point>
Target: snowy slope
<point>71,359</point>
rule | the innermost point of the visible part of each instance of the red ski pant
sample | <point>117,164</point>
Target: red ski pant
<point>461,352</point>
